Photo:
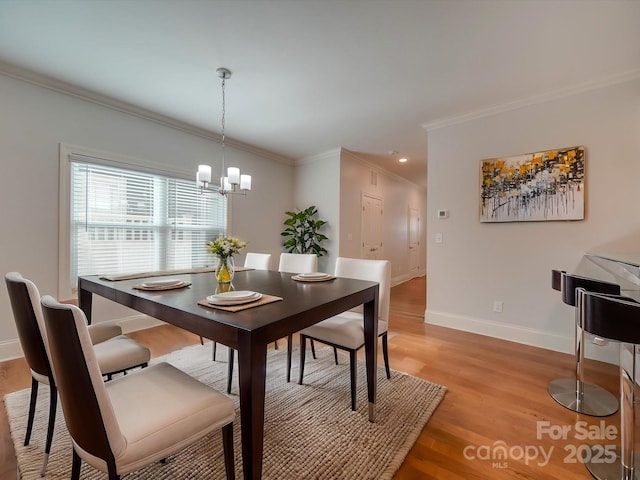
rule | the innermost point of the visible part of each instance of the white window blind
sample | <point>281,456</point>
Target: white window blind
<point>125,221</point>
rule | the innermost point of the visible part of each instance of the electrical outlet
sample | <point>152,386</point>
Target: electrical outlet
<point>497,306</point>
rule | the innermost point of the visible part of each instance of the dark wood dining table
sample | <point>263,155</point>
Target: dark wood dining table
<point>249,331</point>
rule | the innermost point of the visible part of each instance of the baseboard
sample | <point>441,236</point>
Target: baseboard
<point>11,349</point>
<point>607,353</point>
<point>405,277</point>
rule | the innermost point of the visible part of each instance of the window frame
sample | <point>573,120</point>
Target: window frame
<point>69,153</point>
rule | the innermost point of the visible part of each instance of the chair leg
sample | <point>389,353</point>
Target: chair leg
<point>385,354</point>
<point>227,447</point>
<point>201,341</point>
<point>215,349</point>
<point>53,403</point>
<point>75,466</point>
<point>303,347</point>
<point>32,409</point>
<point>313,349</point>
<point>352,360</point>
<point>230,374</point>
<point>335,354</point>
<point>289,352</point>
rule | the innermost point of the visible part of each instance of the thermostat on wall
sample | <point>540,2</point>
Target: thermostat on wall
<point>443,213</point>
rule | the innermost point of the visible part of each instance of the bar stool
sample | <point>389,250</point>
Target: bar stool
<point>616,318</point>
<point>574,393</point>
<point>556,279</point>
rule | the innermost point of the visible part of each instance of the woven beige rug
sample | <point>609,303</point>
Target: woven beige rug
<point>310,430</point>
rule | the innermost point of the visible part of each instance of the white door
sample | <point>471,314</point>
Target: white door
<point>414,240</point>
<point>371,227</point>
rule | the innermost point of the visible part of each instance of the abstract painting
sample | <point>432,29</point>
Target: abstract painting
<point>537,186</point>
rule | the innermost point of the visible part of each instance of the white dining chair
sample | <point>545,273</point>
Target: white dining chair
<point>114,352</point>
<point>290,263</point>
<point>123,425</point>
<point>298,262</point>
<point>346,330</point>
<point>259,261</point>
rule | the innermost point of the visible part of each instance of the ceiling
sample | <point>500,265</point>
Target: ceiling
<point>315,75</point>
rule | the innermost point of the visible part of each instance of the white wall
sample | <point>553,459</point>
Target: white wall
<point>316,182</point>
<point>397,194</point>
<point>479,263</point>
<point>34,120</point>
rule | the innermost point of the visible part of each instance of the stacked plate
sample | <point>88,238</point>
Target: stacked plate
<point>167,284</point>
<point>312,277</point>
<point>234,298</point>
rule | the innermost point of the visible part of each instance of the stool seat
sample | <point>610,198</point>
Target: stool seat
<point>616,318</point>
<point>574,393</point>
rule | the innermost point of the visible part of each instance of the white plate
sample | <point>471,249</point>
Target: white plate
<point>162,283</point>
<point>234,298</point>
<point>313,275</point>
<point>324,278</point>
<point>165,286</point>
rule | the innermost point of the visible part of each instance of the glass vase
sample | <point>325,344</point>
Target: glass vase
<point>225,270</point>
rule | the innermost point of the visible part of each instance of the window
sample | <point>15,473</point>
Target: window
<point>124,220</point>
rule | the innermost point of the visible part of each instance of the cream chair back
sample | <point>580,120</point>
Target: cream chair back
<point>87,409</point>
<point>372,270</point>
<point>259,261</point>
<point>25,303</point>
<point>298,262</point>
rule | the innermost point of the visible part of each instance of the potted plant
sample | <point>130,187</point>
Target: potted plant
<point>302,232</point>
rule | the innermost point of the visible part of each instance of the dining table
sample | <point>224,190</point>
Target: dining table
<point>251,330</point>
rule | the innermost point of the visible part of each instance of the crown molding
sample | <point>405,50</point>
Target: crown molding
<point>65,88</point>
<point>533,100</point>
<point>328,155</point>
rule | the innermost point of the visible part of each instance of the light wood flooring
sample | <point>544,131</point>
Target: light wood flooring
<point>497,396</point>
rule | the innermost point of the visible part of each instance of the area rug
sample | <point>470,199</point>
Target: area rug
<point>310,430</point>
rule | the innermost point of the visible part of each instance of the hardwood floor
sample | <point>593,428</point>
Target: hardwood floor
<point>497,396</point>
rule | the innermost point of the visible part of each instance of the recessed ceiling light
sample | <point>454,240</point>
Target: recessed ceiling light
<point>403,160</point>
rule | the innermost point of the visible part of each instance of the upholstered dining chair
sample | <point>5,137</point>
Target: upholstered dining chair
<point>114,352</point>
<point>298,262</point>
<point>290,263</point>
<point>346,331</point>
<point>121,426</point>
<point>259,261</point>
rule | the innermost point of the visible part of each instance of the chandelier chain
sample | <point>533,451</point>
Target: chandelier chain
<point>222,122</point>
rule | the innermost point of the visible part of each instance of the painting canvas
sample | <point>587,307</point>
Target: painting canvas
<point>533,187</point>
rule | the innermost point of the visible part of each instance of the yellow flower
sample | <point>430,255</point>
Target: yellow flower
<point>225,247</point>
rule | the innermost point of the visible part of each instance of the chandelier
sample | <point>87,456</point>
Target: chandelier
<point>231,181</point>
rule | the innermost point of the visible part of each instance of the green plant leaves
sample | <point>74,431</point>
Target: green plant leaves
<point>302,230</point>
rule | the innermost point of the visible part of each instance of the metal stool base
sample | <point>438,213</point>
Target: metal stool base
<point>610,471</point>
<point>596,402</point>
